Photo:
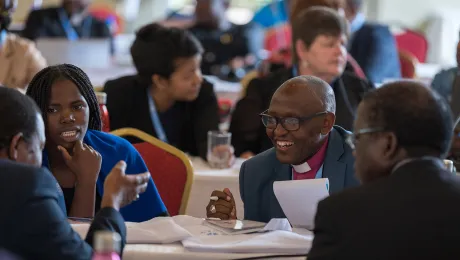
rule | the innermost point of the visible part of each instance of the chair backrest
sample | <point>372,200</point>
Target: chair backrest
<point>169,167</point>
<point>109,16</point>
<point>412,42</point>
<point>408,64</point>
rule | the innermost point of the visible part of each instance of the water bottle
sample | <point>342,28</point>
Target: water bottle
<point>106,246</point>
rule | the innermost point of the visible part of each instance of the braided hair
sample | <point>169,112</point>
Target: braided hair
<point>40,90</point>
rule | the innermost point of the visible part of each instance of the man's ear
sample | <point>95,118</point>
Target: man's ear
<point>13,148</point>
<point>328,123</point>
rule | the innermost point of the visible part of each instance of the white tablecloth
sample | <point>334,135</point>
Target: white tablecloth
<point>206,180</point>
<point>178,252</point>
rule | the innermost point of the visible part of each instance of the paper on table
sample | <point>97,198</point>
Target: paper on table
<point>160,230</point>
<point>299,199</point>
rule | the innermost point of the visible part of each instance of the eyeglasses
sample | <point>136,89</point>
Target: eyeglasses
<point>288,123</point>
<point>352,138</point>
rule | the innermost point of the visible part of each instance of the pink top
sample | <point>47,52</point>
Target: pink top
<point>315,163</point>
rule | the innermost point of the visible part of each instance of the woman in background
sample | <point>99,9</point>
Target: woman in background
<point>77,153</point>
<point>20,60</point>
<point>168,98</point>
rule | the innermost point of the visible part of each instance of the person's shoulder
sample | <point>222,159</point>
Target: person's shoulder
<point>124,84</point>
<point>20,44</point>
<point>353,81</point>
<point>108,144</point>
<point>375,26</point>
<point>124,87</point>
<point>47,11</point>
<point>262,159</point>
<point>28,177</point>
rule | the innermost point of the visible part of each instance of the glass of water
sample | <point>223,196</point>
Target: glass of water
<point>219,149</point>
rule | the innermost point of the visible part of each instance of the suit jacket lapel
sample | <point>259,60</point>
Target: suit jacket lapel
<point>333,168</point>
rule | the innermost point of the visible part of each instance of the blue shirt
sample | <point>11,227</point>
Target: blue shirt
<point>114,149</point>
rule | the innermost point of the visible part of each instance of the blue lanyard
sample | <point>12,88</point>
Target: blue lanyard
<point>156,119</point>
<point>70,32</point>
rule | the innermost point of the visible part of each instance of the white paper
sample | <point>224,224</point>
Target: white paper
<point>160,230</point>
<point>274,242</point>
<point>299,199</point>
<point>278,224</point>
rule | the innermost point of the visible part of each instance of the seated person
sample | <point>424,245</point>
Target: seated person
<point>406,206</point>
<point>70,20</point>
<point>230,49</point>
<point>77,153</point>
<point>372,45</point>
<point>20,60</point>
<point>168,98</point>
<point>444,80</point>
<point>320,37</point>
<point>299,122</point>
<point>31,222</point>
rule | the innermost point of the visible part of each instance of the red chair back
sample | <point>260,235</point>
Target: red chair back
<point>413,42</point>
<point>169,167</point>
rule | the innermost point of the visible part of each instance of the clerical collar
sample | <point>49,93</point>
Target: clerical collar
<point>302,168</point>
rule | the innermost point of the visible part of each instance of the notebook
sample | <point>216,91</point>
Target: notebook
<point>235,227</point>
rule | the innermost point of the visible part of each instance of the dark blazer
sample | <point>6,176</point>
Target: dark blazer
<point>33,226</point>
<point>248,132</point>
<point>258,174</point>
<point>128,106</point>
<point>45,23</point>
<point>412,214</point>
<point>374,48</point>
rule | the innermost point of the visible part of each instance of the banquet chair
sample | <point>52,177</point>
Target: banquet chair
<point>412,42</point>
<point>170,168</point>
<point>408,64</point>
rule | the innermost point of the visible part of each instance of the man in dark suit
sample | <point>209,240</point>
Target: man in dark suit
<point>70,21</point>
<point>407,207</point>
<point>32,224</point>
<point>299,122</point>
<point>372,45</point>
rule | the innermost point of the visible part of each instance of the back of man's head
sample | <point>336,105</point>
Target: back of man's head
<point>18,114</point>
<point>418,116</point>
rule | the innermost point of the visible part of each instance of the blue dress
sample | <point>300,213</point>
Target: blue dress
<point>114,149</point>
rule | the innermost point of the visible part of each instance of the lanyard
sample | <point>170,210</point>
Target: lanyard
<point>70,32</point>
<point>156,119</point>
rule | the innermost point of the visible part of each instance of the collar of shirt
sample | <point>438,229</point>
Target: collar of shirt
<point>315,162</point>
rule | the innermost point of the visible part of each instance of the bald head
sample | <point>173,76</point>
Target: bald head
<point>309,91</point>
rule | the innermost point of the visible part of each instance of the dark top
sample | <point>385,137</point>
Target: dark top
<point>33,226</point>
<point>411,214</point>
<point>186,124</point>
<point>248,132</point>
<point>68,197</point>
<point>374,48</point>
<point>46,23</point>
<point>223,46</point>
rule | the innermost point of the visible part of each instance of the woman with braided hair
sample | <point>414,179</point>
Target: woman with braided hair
<point>77,153</point>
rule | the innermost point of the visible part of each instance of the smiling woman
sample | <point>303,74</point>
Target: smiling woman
<point>76,152</point>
